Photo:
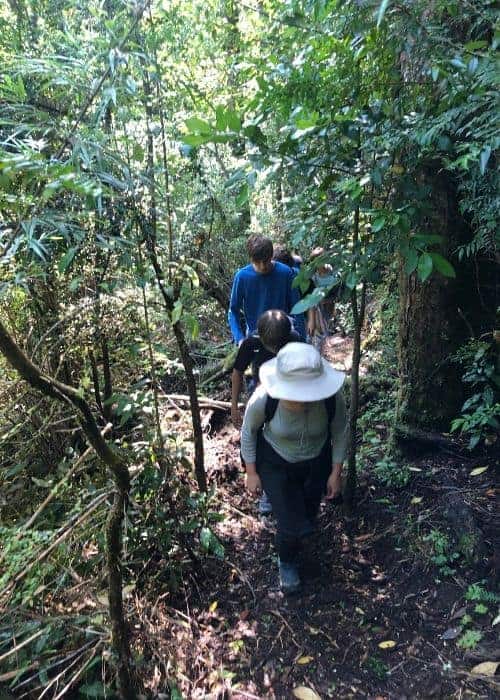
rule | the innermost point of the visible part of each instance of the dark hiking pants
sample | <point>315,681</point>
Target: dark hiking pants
<point>295,491</point>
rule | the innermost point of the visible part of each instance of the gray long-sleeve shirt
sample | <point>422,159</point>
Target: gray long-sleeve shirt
<point>295,436</point>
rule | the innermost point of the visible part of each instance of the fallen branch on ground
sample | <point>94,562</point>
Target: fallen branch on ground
<point>204,402</point>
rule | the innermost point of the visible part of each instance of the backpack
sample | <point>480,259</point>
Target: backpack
<point>330,405</point>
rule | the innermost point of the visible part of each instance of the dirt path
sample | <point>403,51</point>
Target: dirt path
<point>375,619</point>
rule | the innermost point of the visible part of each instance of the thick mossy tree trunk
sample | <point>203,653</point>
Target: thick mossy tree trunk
<point>433,324</point>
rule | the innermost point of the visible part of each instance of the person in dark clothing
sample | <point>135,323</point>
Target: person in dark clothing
<point>295,451</point>
<point>274,330</point>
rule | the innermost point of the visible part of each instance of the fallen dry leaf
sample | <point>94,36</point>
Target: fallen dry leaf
<point>304,660</point>
<point>303,693</point>
<point>487,668</point>
<point>388,644</point>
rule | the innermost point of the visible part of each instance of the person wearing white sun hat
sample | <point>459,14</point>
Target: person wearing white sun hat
<point>293,441</point>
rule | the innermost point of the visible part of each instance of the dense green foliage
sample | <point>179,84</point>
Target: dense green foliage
<point>174,129</point>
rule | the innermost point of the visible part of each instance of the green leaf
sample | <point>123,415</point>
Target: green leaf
<point>411,260</point>
<point>75,283</point>
<point>424,267</point>
<point>381,12</point>
<point>442,265</point>
<point>242,197</point>
<point>138,152</point>
<point>66,260</point>
<point>309,301</point>
<point>220,118</point>
<point>378,224</point>
<point>233,120</point>
<point>484,158</point>
<point>351,280</point>
<point>195,139</point>
<point>473,45</point>
<point>177,312</point>
<point>198,125</point>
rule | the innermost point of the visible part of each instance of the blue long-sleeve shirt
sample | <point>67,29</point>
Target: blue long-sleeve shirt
<point>254,292</point>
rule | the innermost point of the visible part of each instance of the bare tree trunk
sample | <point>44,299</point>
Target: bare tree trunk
<point>150,231</point>
<point>359,317</point>
<point>358,312</point>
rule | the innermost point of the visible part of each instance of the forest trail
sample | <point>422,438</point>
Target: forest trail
<point>369,622</point>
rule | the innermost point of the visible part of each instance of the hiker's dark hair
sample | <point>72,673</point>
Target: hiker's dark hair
<point>284,256</point>
<point>260,249</point>
<point>274,328</point>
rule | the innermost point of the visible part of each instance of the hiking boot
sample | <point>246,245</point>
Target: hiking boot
<point>289,577</point>
<point>265,507</point>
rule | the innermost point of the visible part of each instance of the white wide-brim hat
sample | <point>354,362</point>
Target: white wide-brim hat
<point>299,373</point>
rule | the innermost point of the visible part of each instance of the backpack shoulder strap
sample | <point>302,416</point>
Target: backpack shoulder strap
<point>271,406</point>
<point>331,405</point>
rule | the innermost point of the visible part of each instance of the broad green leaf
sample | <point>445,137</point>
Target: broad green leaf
<point>351,280</point>
<point>233,120</point>
<point>473,45</point>
<point>242,197</point>
<point>442,265</point>
<point>198,125</point>
<point>66,260</point>
<point>195,139</point>
<point>424,267</point>
<point>309,301</point>
<point>411,260</point>
<point>378,224</point>
<point>220,119</point>
<point>177,312</point>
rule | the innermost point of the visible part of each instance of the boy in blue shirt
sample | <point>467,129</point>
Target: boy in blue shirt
<point>262,285</point>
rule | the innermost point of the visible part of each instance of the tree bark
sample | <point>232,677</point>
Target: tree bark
<point>431,329</point>
<point>359,317</point>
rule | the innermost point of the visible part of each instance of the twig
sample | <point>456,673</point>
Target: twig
<point>204,401</point>
<point>77,674</point>
<point>21,645</point>
<point>242,575</point>
<point>4,677</point>
<point>66,669</point>
<point>278,614</point>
